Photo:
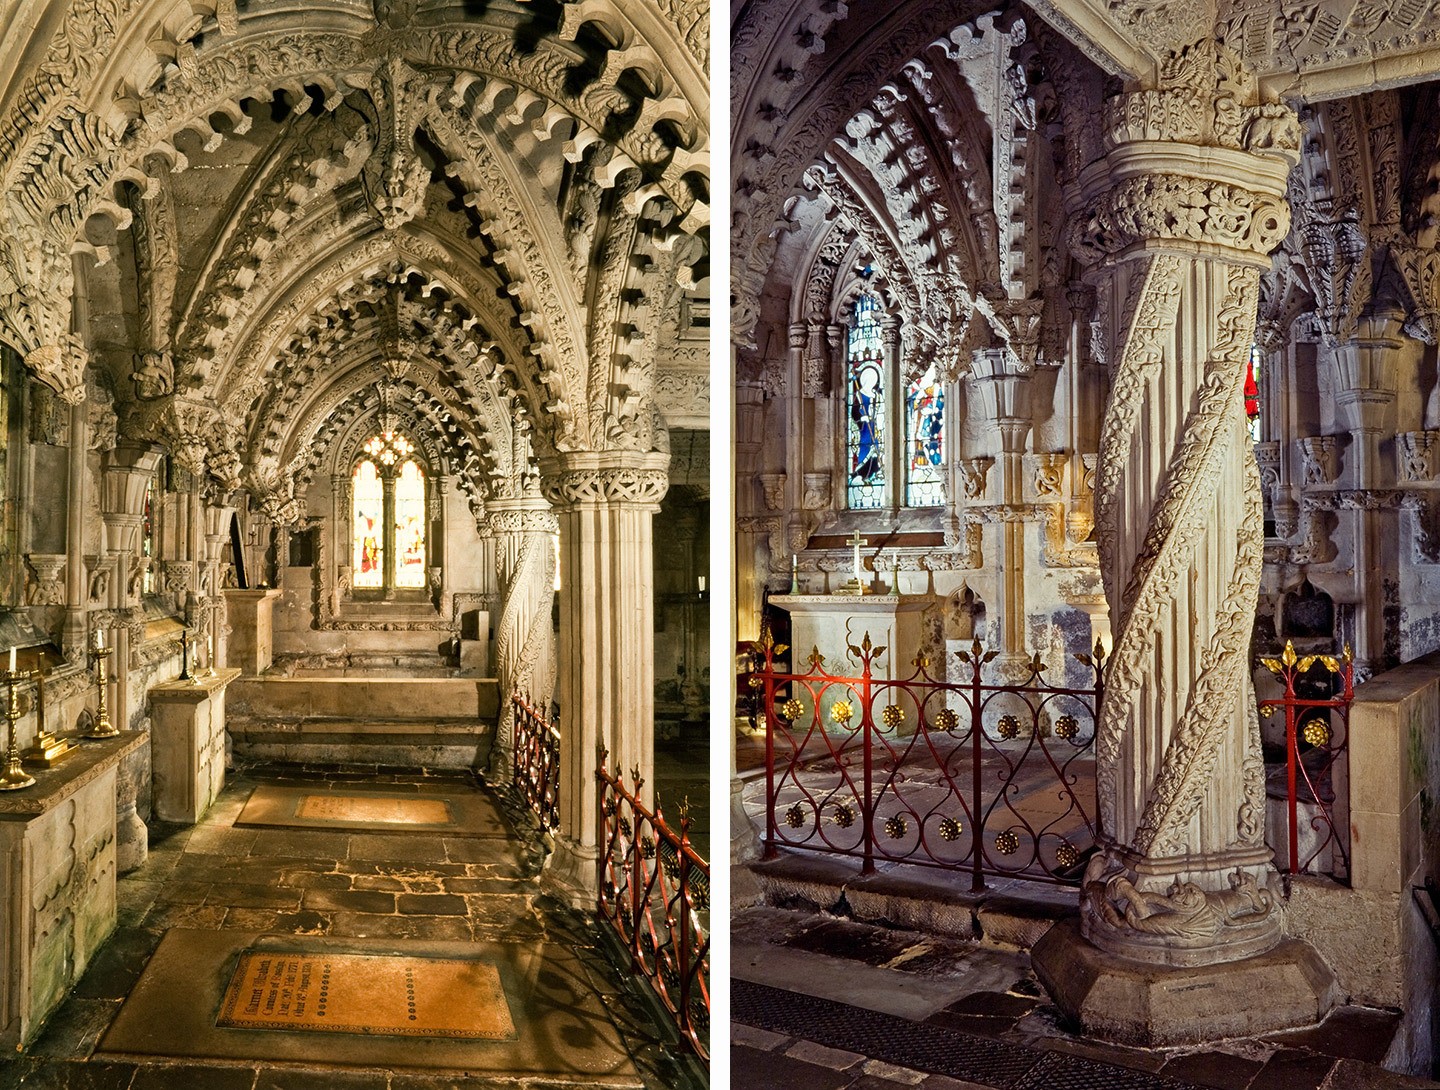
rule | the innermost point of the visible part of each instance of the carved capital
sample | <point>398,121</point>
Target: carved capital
<point>606,478</point>
<point>62,368</point>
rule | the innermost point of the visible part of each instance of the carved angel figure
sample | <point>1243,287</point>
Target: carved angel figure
<point>154,375</point>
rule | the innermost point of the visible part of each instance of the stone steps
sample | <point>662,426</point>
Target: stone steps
<point>394,722</point>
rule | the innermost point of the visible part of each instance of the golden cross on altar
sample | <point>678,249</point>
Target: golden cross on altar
<point>855,542</point>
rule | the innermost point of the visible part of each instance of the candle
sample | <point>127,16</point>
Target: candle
<point>99,639</point>
<point>702,584</point>
<point>12,660</point>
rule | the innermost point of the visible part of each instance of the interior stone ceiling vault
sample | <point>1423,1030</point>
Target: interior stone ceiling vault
<point>244,217</point>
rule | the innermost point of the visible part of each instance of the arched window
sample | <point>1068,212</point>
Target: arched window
<point>912,433</point>
<point>388,516</point>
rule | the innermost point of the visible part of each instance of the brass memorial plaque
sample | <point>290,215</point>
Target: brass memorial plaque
<point>367,993</point>
<point>386,809</point>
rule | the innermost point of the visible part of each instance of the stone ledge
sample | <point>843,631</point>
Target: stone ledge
<point>55,785</point>
<point>1013,914</point>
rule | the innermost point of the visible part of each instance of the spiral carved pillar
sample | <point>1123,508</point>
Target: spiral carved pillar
<point>1179,217</point>
<point>605,503</point>
<point>524,639</point>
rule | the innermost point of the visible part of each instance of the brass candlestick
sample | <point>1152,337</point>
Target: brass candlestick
<point>14,777</point>
<point>102,727</point>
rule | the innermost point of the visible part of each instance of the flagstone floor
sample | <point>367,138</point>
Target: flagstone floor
<point>347,889</point>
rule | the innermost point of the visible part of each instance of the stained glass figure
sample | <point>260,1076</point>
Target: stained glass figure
<point>410,526</point>
<point>924,441</point>
<point>866,433</point>
<point>1252,394</point>
<point>368,563</point>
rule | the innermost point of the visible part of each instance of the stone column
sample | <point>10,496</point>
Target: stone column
<point>605,502</point>
<point>1367,368</point>
<point>894,425</point>
<point>524,639</point>
<point>77,592</point>
<point>1001,382</point>
<point>1178,218</point>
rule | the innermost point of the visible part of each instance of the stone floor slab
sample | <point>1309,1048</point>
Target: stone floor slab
<point>383,808</point>
<point>561,1027</point>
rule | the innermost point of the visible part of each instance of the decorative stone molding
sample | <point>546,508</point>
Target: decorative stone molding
<point>1416,456</point>
<point>1319,459</point>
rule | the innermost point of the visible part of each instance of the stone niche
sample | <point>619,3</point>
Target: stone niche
<point>57,881</point>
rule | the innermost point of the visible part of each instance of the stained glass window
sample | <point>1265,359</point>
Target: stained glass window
<point>865,442</point>
<point>924,441</point>
<point>410,526</point>
<point>367,533</point>
<point>1252,394</point>
<point>147,539</point>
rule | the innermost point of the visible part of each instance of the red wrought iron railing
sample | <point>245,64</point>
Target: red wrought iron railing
<point>993,778</point>
<point>536,773</point>
<point>1319,690</point>
<point>654,892</point>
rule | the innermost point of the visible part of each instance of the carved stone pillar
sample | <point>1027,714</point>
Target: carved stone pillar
<point>605,503</point>
<point>524,639</point>
<point>1178,218</point>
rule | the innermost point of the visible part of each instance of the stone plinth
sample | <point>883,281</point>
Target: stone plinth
<point>188,744</point>
<point>251,646</point>
<point>57,881</point>
<point>832,623</point>
<point>1155,1006</point>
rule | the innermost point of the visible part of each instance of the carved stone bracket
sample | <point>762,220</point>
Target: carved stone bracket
<point>46,582</point>
<point>973,474</point>
<point>772,489</point>
<point>1319,459</point>
<point>1046,475</point>
<point>1416,460</point>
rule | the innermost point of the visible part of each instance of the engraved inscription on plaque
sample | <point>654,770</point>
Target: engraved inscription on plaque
<point>367,993</point>
<point>377,809</point>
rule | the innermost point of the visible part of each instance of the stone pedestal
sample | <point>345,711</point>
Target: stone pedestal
<point>132,838</point>
<point>251,647</point>
<point>1153,1006</point>
<point>188,744</point>
<point>57,882</point>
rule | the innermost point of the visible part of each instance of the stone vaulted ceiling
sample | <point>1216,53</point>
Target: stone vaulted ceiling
<point>253,222</point>
<point>922,140</point>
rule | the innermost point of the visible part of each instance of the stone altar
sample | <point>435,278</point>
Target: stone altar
<point>57,881</point>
